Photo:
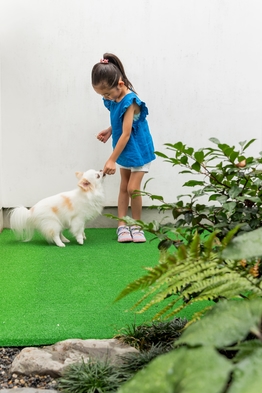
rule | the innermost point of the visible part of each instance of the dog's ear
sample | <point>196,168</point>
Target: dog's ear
<point>84,184</point>
<point>79,175</point>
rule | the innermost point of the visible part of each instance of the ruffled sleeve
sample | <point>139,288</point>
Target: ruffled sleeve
<point>129,100</point>
<point>107,103</point>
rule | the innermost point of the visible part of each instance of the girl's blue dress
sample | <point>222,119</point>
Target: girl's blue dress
<point>139,150</point>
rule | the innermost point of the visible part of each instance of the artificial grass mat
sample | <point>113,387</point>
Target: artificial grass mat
<point>49,294</point>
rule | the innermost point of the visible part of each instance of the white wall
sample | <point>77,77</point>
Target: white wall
<point>196,63</point>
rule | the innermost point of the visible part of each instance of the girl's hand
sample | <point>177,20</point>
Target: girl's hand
<point>110,167</point>
<point>104,135</point>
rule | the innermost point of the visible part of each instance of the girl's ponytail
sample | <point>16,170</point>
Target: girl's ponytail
<point>108,71</point>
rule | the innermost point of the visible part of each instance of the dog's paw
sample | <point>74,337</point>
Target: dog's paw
<point>60,244</point>
<point>58,241</point>
<point>64,239</point>
<point>80,240</point>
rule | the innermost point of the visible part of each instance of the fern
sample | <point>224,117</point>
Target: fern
<point>195,272</point>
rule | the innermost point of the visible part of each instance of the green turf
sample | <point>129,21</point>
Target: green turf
<point>48,294</point>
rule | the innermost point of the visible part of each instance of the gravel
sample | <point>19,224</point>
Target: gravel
<point>11,381</point>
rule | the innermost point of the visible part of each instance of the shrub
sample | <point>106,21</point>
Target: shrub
<point>132,362</point>
<point>94,376</point>
<point>98,376</point>
<point>229,184</point>
<point>145,336</point>
<point>195,272</point>
<point>200,362</point>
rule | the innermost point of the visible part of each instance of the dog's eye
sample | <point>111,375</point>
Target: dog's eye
<point>98,176</point>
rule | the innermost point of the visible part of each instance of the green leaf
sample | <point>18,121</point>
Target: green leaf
<point>230,206</point>
<point>157,197</point>
<point>179,146</point>
<point>247,377</point>
<point>222,199</point>
<point>146,183</point>
<point>236,317</point>
<point>193,183</point>
<point>186,171</point>
<point>196,166</point>
<point>241,158</point>
<point>182,371</point>
<point>199,156</point>
<point>189,151</point>
<point>234,191</point>
<point>158,153</point>
<point>214,197</point>
<point>233,156</point>
<point>226,149</point>
<point>245,349</point>
<point>215,140</point>
<point>184,160</point>
<point>242,144</point>
<point>248,144</point>
<point>165,244</point>
<point>230,235</point>
<point>176,213</point>
<point>248,245</point>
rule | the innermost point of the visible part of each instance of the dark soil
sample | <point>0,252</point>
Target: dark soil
<point>10,381</point>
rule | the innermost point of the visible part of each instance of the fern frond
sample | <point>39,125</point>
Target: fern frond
<point>209,244</point>
<point>206,280</point>
<point>182,307</point>
<point>174,286</point>
<point>192,274</point>
<point>154,302</point>
<point>229,236</point>
<point>168,307</point>
<point>198,277</point>
<point>150,292</point>
<point>203,270</point>
<point>198,315</point>
<point>194,250</point>
<point>227,288</point>
<point>145,281</point>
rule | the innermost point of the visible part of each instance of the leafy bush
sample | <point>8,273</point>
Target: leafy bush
<point>217,257</point>
<point>132,362</point>
<point>229,181</point>
<point>145,336</point>
<point>207,263</point>
<point>195,272</point>
<point>98,376</point>
<point>200,362</point>
<point>94,376</point>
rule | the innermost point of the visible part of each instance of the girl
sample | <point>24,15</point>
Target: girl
<point>133,147</point>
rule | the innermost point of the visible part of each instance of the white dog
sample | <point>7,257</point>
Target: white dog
<point>71,209</point>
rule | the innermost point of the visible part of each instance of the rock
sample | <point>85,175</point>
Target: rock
<point>51,360</point>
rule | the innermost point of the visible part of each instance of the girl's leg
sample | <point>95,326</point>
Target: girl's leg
<point>123,197</point>
<point>136,202</point>
<point>136,206</point>
<point>123,232</point>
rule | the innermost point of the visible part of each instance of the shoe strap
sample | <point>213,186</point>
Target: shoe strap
<point>136,229</point>
<point>123,229</point>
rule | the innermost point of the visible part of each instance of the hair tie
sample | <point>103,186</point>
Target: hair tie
<point>104,61</point>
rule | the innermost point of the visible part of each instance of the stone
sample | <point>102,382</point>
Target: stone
<point>52,360</point>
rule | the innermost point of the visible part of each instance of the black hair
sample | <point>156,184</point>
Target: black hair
<point>109,71</point>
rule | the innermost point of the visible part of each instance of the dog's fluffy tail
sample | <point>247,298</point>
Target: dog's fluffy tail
<point>20,223</point>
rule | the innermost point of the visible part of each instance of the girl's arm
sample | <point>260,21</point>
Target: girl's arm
<point>104,135</point>
<point>110,165</point>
